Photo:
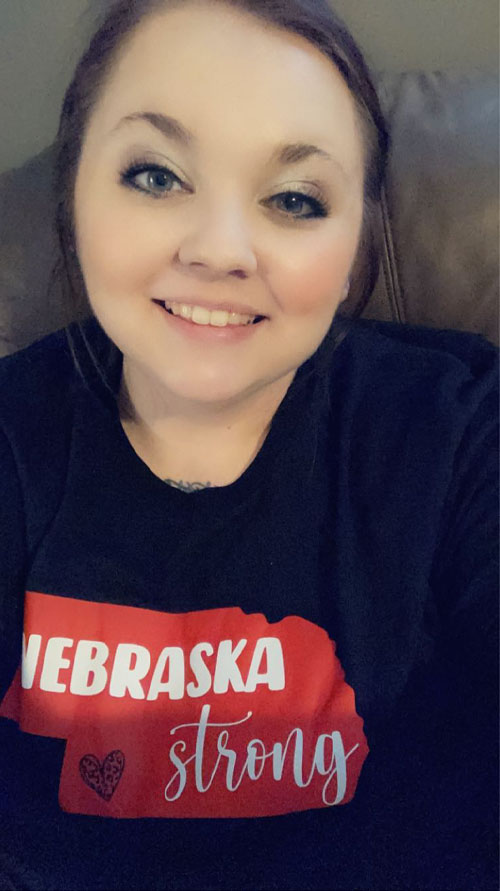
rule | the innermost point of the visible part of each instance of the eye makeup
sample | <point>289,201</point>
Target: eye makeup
<point>308,194</point>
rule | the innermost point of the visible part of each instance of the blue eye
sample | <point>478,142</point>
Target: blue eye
<point>160,173</point>
<point>164,176</point>
<point>320,209</point>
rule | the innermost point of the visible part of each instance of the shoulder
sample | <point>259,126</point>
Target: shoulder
<point>421,347</point>
<point>416,399</point>
<point>35,379</point>
<point>447,368</point>
<point>36,411</point>
<point>38,386</point>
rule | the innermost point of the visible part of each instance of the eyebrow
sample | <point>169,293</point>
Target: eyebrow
<point>284,153</point>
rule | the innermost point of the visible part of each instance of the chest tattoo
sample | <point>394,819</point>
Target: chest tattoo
<point>187,487</point>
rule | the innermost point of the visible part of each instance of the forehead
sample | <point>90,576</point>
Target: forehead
<point>263,84</point>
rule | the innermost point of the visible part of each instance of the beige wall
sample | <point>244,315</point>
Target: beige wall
<point>445,35</point>
<point>40,41</point>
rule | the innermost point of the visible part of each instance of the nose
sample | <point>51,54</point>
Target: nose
<point>219,243</point>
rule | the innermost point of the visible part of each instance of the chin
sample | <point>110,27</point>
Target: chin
<point>214,398</point>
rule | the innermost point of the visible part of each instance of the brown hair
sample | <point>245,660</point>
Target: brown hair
<point>314,20</point>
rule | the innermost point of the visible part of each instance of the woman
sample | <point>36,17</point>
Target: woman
<point>248,544</point>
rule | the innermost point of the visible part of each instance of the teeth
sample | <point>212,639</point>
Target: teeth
<point>201,316</point>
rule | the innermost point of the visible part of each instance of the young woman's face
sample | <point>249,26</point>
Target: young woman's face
<point>213,226</point>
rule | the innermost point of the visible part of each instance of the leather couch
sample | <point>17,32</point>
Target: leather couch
<point>439,215</point>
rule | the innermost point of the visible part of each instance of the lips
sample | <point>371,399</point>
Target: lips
<point>258,318</point>
<point>206,334</point>
<point>242,310</point>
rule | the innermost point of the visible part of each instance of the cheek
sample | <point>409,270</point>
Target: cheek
<point>314,282</point>
<point>115,250</point>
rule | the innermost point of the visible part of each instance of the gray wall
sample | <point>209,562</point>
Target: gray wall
<point>40,41</point>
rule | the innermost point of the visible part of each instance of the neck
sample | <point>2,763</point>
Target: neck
<point>194,449</point>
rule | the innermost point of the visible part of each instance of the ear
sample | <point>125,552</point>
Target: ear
<point>346,290</point>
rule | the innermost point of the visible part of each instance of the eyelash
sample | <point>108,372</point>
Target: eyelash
<point>320,207</point>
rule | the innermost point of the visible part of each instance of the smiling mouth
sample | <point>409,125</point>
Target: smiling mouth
<point>171,313</point>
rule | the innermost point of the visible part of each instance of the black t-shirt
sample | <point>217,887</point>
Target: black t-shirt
<point>287,682</point>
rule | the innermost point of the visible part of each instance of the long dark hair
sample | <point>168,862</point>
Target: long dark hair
<point>321,26</point>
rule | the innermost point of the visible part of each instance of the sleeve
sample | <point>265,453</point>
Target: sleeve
<point>465,582</point>
<point>439,827</point>
<point>466,567</point>
<point>12,565</point>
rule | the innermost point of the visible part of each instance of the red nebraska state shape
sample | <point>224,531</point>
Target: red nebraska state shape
<point>204,714</point>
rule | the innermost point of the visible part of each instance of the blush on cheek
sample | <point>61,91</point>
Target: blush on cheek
<point>320,286</point>
<point>314,283</point>
<point>104,226</point>
<point>115,257</point>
